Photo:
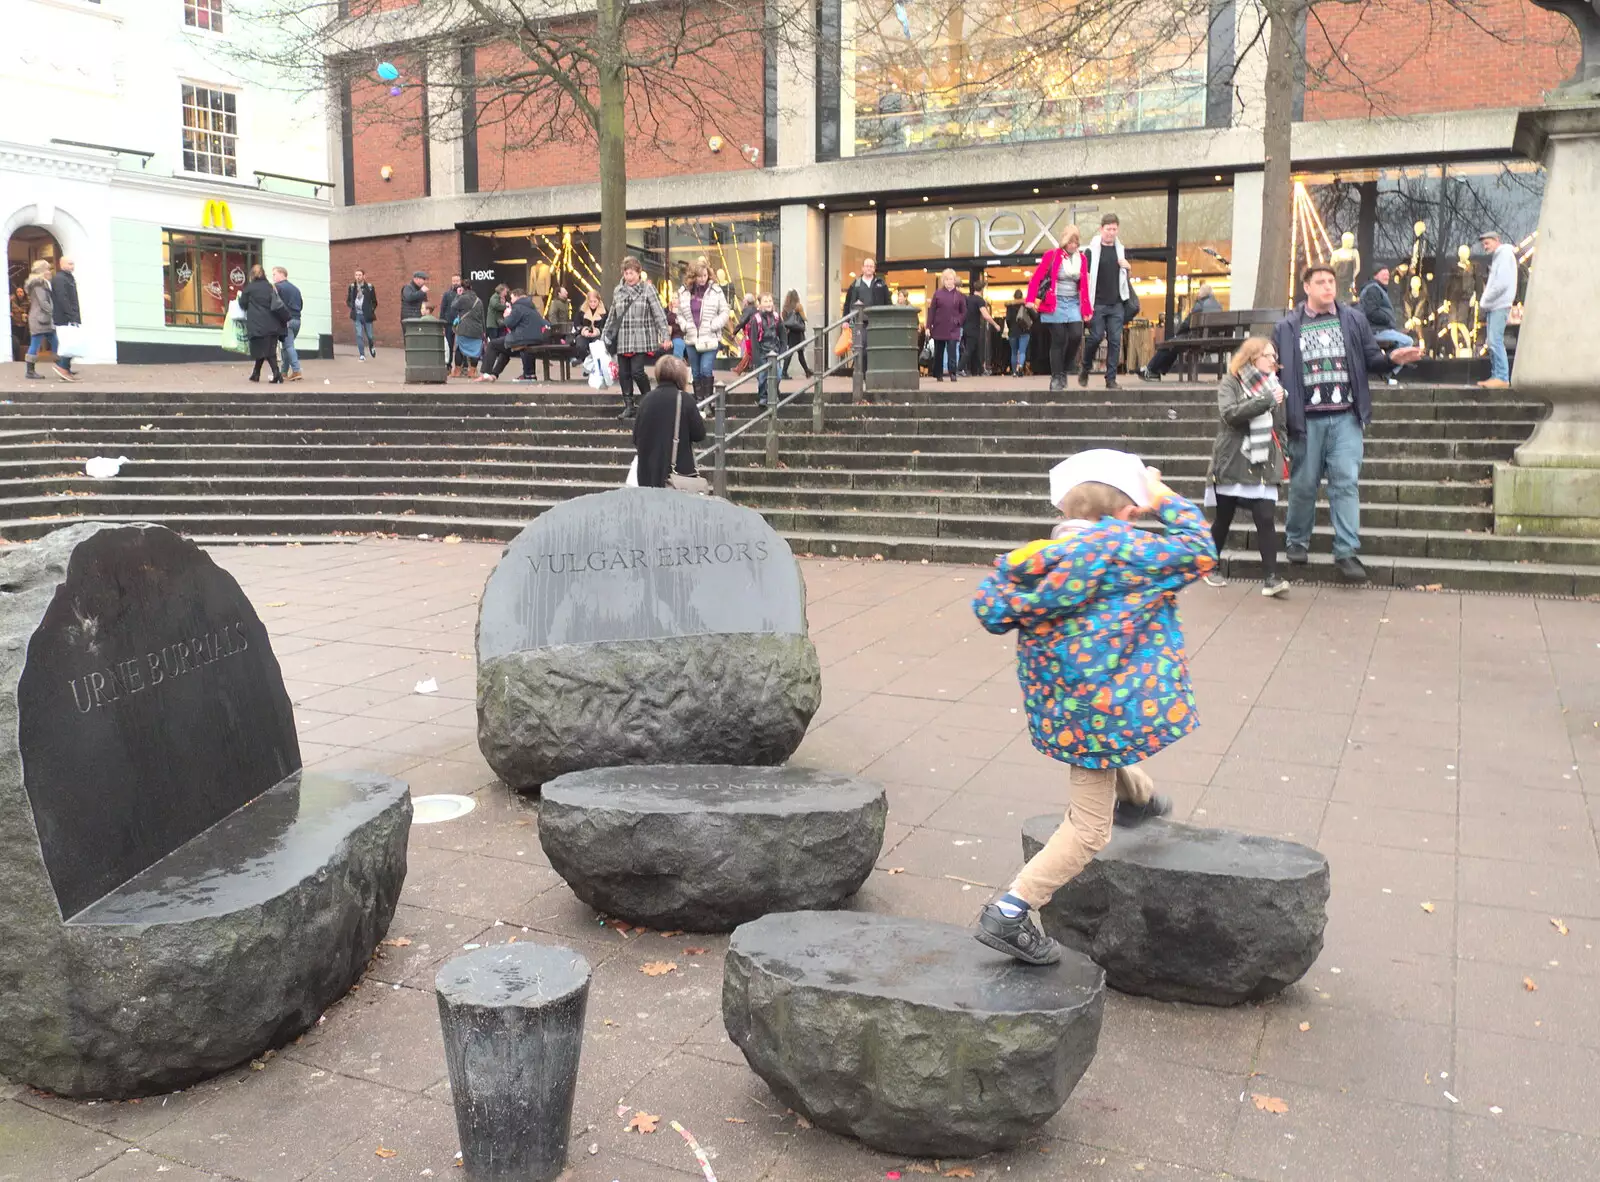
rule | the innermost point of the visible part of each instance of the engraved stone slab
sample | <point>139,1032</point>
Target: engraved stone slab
<point>176,895</point>
<point>643,625</point>
<point>1184,913</point>
<point>908,1034</point>
<point>706,848</point>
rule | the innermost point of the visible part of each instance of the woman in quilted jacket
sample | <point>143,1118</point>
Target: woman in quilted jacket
<point>636,328</point>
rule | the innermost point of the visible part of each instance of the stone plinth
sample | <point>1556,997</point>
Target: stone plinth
<point>512,1017</point>
<point>643,626</point>
<point>705,849</point>
<point>1182,913</point>
<point>908,1034</point>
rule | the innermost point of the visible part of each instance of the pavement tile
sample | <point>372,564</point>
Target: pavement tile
<point>1155,1107</point>
<point>1539,887</point>
<point>1500,1147</point>
<point>912,762</point>
<point>1360,870</point>
<point>1373,1057</point>
<point>1303,736</point>
<point>39,1145</point>
<point>1273,814</point>
<point>382,1033</point>
<point>1394,983</point>
<point>430,938</point>
<point>1503,935</point>
<point>1328,1133</point>
<point>702,1095</point>
<point>1551,1085</point>
<point>1495,997</point>
<point>472,884</point>
<point>422,1134</point>
<point>136,1163</point>
<point>1395,827</point>
<point>1214,1037</point>
<point>1274,775</point>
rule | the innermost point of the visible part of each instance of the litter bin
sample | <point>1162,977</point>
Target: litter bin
<point>427,360</point>
<point>892,362</point>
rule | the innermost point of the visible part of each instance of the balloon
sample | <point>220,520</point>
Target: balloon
<point>387,72</point>
<point>394,92</point>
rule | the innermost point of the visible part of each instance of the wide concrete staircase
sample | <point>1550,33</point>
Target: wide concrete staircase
<point>956,476</point>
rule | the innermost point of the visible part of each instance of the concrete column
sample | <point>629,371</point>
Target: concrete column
<point>1250,64</point>
<point>847,77</point>
<point>446,157</point>
<point>800,262</point>
<point>795,32</point>
<point>1247,192</point>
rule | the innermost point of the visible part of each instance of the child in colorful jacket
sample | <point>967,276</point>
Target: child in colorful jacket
<point>1100,658</point>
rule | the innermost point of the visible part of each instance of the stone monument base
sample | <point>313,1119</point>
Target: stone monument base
<point>1560,502</point>
<point>234,943</point>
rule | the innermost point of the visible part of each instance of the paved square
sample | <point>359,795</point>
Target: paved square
<point>1442,750</point>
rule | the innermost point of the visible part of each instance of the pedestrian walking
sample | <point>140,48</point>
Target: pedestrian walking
<point>947,315</point>
<point>1017,337</point>
<point>870,291</point>
<point>1325,351</point>
<point>668,412</point>
<point>265,316</point>
<point>1378,308</point>
<point>471,316</point>
<point>703,312</point>
<point>976,330</point>
<point>1109,292</point>
<point>362,300</point>
<point>1101,661</point>
<point>524,326</point>
<point>762,328</point>
<point>447,313</point>
<point>66,313</point>
<point>794,331</point>
<point>1499,293</point>
<point>1058,294</point>
<point>41,321</point>
<point>295,303</point>
<point>413,295</point>
<point>1247,463</point>
<point>636,328</point>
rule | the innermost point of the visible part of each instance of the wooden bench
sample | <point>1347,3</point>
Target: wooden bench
<point>1218,334</point>
<point>559,351</point>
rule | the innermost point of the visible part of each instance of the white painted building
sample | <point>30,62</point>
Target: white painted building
<point>136,146</point>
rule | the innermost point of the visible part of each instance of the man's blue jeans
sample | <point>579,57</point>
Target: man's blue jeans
<point>1330,447</point>
<point>291,358</point>
<point>701,364</point>
<point>1394,338</point>
<point>1106,324</point>
<point>1495,330</point>
<point>364,338</point>
<point>1019,351</point>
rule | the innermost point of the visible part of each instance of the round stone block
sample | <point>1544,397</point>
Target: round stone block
<point>512,1017</point>
<point>705,849</point>
<point>1183,913</point>
<point>908,1034</point>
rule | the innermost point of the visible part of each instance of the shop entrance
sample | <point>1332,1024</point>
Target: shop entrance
<point>27,245</point>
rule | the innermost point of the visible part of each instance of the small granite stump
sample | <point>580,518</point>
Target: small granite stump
<point>512,1016</point>
<point>704,849</point>
<point>908,1034</point>
<point>643,625</point>
<point>176,894</point>
<point>1183,913</point>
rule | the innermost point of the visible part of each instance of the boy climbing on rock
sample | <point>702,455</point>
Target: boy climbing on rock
<point>1100,658</point>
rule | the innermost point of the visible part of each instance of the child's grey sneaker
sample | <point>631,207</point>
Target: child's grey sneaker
<point>1213,579</point>
<point>1128,814</point>
<point>1015,937</point>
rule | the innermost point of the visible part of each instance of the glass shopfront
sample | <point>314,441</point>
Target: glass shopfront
<point>1422,222</point>
<point>201,273</point>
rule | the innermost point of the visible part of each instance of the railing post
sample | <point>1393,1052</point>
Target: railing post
<point>858,373</point>
<point>719,477</point>
<point>772,433</point>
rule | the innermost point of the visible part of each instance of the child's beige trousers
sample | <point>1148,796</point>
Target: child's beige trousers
<point>1084,832</point>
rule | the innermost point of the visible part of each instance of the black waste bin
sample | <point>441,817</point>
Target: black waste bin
<point>427,359</point>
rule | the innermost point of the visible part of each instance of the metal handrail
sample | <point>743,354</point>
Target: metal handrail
<point>789,352</point>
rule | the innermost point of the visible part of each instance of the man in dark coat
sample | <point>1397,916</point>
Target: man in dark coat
<point>1378,308</point>
<point>447,313</point>
<point>362,300</point>
<point>524,326</point>
<point>870,290</point>
<point>1165,359</point>
<point>64,293</point>
<point>413,295</point>
<point>295,304</point>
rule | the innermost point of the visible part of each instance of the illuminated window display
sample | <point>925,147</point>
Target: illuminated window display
<point>1422,222</point>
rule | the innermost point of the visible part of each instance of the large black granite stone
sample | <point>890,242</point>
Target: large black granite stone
<point>908,1034</point>
<point>512,1018</point>
<point>706,848</point>
<point>640,626</point>
<point>1183,913</point>
<point>219,899</point>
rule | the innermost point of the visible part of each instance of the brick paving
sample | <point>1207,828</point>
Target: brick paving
<point>1439,748</point>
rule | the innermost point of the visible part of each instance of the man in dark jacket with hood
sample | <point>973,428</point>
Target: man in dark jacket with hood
<point>1378,308</point>
<point>64,293</point>
<point>870,290</point>
<point>447,313</point>
<point>362,300</point>
<point>413,295</point>
<point>524,326</point>
<point>1164,359</point>
<point>1325,351</point>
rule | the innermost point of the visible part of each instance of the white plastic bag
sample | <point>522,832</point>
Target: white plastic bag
<point>633,474</point>
<point>601,377</point>
<point>69,340</point>
<point>104,467</point>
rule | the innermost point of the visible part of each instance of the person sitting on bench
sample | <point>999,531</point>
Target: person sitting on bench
<point>1165,359</point>
<point>524,329</point>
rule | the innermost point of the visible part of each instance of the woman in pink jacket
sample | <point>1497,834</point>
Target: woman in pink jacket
<point>1060,296</point>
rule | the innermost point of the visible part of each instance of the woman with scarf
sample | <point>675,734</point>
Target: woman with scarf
<point>703,314</point>
<point>1247,462</point>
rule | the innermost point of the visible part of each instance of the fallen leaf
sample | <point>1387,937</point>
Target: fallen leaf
<point>644,1122</point>
<point>960,1172</point>
<point>736,1120</point>
<point>1269,1103</point>
<point>399,942</point>
<point>452,539</point>
<point>657,967</point>
<point>1559,925</point>
<point>277,603</point>
<point>694,951</point>
<point>669,935</point>
<point>1428,907</point>
<point>1529,985</point>
<point>380,1151</point>
<point>1305,1026</point>
<point>801,1122</point>
<point>895,870</point>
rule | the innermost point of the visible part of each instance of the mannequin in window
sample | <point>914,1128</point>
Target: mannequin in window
<point>1460,306</point>
<point>1418,312</point>
<point>727,288</point>
<point>1346,263</point>
<point>539,279</point>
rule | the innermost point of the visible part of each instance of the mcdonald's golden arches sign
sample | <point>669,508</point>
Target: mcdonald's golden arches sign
<point>217,216</point>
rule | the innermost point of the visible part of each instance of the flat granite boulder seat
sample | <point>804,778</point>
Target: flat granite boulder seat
<point>1183,913</point>
<point>908,1034</point>
<point>176,894</point>
<point>643,625</point>
<point>705,849</point>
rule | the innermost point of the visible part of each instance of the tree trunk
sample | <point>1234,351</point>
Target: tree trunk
<point>613,142</point>
<point>1274,287</point>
